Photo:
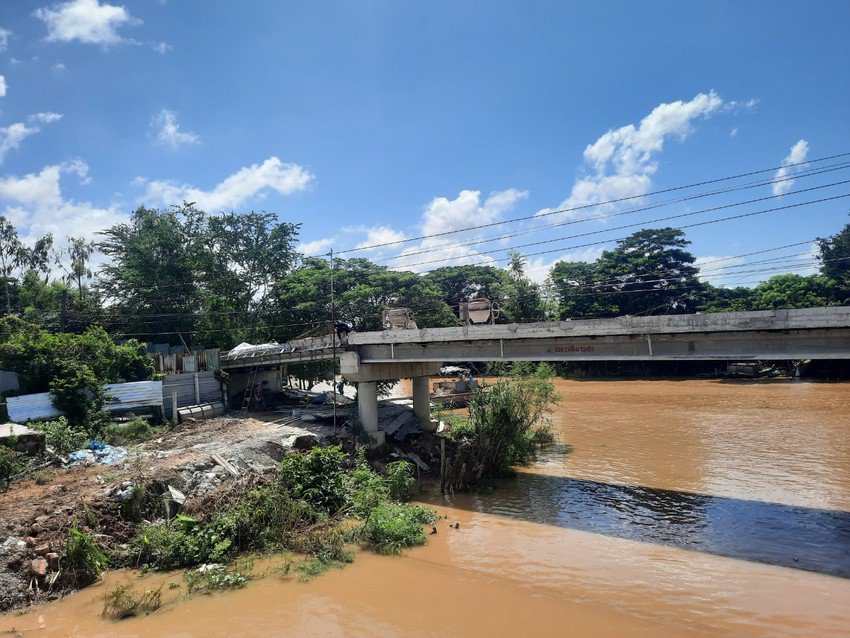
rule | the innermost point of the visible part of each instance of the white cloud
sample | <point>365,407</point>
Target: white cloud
<point>792,164</point>
<point>35,204</point>
<point>381,235</point>
<point>622,161</point>
<point>442,215</point>
<point>4,38</point>
<point>537,269</point>
<point>11,137</point>
<point>86,21</point>
<point>161,47</point>
<point>733,132</point>
<point>167,130</point>
<point>246,183</point>
<point>48,117</point>
<point>2,86</point>
<point>316,247</point>
<point>58,67</point>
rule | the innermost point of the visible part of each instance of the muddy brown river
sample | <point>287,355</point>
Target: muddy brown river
<point>668,508</point>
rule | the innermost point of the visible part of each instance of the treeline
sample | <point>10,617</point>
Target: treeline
<point>185,277</point>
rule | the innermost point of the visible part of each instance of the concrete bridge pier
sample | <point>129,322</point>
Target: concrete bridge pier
<point>365,376</point>
<point>422,401</point>
<point>367,410</point>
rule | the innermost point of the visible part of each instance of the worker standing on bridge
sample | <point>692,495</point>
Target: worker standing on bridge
<point>342,330</point>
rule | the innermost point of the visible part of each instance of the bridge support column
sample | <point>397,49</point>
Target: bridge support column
<point>422,401</point>
<point>367,410</point>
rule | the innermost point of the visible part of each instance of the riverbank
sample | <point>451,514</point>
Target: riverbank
<point>634,524</point>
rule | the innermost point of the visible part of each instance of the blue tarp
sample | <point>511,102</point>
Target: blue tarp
<point>97,452</point>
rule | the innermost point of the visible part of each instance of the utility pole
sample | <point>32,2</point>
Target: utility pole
<point>333,334</point>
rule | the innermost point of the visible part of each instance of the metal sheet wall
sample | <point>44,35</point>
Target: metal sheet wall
<point>184,384</point>
<point>129,396</point>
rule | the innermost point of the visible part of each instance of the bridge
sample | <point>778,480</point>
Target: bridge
<point>368,357</point>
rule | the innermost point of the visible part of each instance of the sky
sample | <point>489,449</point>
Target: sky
<point>383,121</point>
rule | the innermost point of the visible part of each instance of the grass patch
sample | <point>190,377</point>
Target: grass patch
<point>133,431</point>
<point>83,557</point>
<point>394,526</point>
<point>121,602</point>
<point>214,577</point>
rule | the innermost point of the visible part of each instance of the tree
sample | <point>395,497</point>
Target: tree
<point>73,260</point>
<point>522,300</point>
<point>362,290</point>
<point>576,286</point>
<point>650,272</point>
<point>461,283</point>
<point>195,274</point>
<point>795,291</point>
<point>38,355</point>
<point>10,255</point>
<point>835,260</point>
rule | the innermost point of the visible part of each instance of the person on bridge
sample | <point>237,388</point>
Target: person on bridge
<point>342,330</point>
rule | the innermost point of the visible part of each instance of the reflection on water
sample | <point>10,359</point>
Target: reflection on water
<point>791,536</point>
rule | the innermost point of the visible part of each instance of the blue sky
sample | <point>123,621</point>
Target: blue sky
<point>384,120</point>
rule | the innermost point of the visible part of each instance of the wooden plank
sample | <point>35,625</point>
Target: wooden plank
<point>396,423</point>
<point>224,463</point>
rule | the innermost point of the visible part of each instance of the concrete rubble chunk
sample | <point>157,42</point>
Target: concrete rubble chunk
<point>53,561</point>
<point>38,567</point>
<point>301,441</point>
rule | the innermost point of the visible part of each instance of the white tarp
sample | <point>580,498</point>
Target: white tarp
<point>128,396</point>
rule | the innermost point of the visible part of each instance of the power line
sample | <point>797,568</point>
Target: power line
<point>605,216</point>
<point>586,206</point>
<point>596,232</point>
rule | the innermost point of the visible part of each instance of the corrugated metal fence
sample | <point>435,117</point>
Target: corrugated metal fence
<point>206,389</point>
<point>199,387</point>
<point>129,396</point>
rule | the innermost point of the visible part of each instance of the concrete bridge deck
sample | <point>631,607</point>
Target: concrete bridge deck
<point>368,357</point>
<point>808,333</point>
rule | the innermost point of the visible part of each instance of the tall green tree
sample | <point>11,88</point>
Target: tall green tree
<point>577,286</point>
<point>522,300</point>
<point>73,260</point>
<point>362,289</point>
<point>651,272</point>
<point>795,291</point>
<point>461,283</point>
<point>835,261</point>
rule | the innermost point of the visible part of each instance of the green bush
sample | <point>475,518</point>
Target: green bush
<point>10,465</point>
<point>78,393</point>
<point>83,557</point>
<point>61,436</point>
<point>316,477</point>
<point>400,481</point>
<point>365,489</point>
<point>393,526</point>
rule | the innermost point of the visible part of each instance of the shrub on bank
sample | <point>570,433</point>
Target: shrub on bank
<point>316,505</point>
<point>505,426</point>
<point>392,527</point>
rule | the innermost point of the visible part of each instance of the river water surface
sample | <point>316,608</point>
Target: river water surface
<point>667,508</point>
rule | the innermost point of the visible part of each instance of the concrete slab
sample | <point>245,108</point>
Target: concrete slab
<point>21,438</point>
